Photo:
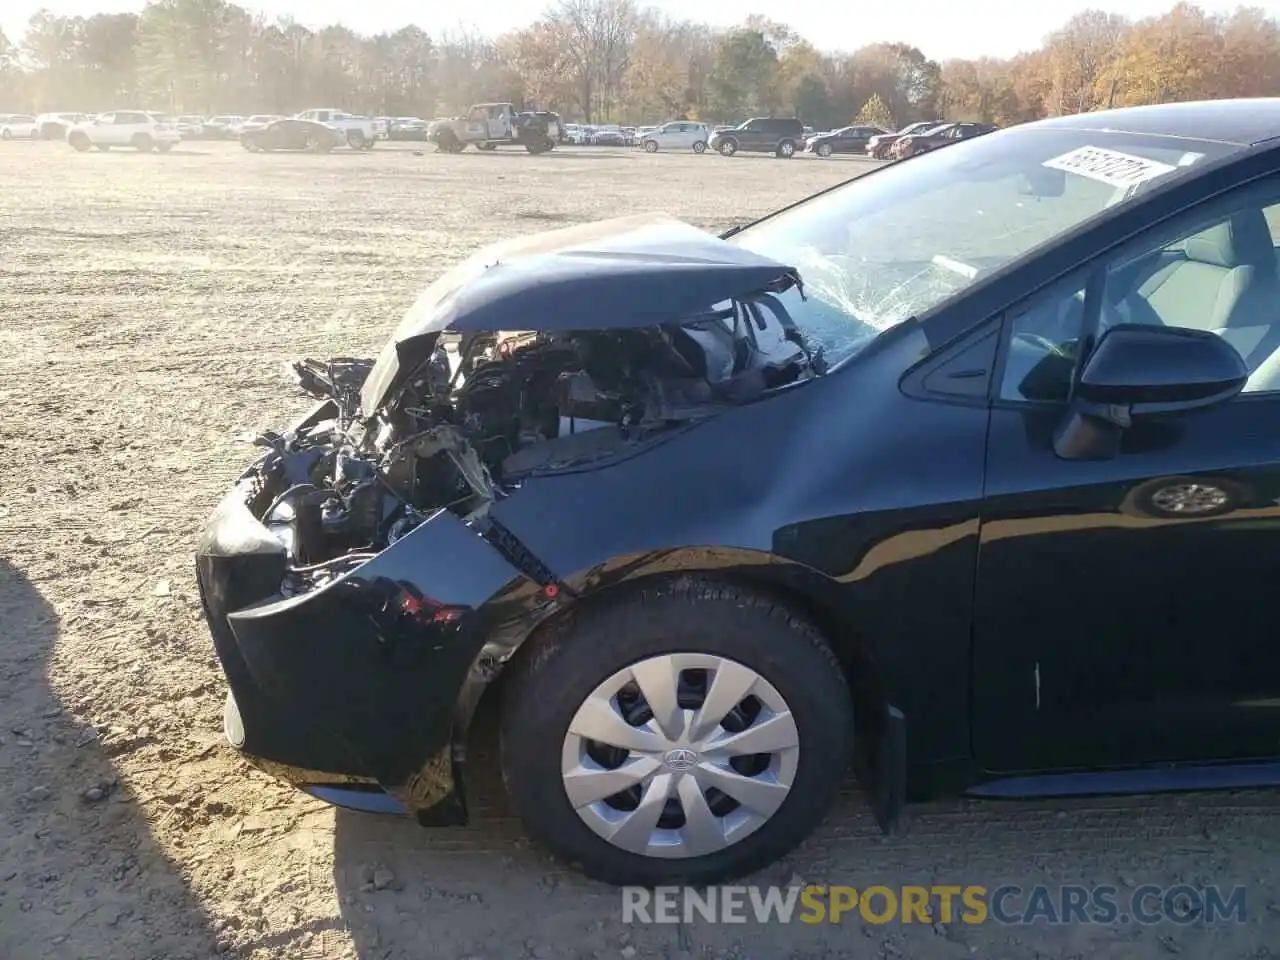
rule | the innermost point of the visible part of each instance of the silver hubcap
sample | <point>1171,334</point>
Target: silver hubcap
<point>680,755</point>
<point>1189,498</point>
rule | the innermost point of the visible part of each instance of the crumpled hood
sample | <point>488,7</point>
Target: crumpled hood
<point>627,272</point>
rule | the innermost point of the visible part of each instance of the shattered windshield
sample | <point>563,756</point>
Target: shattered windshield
<point>901,241</point>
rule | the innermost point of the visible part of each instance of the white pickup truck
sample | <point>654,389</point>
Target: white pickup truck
<point>361,132</point>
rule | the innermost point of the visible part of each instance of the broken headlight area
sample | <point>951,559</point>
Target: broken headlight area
<point>486,412</point>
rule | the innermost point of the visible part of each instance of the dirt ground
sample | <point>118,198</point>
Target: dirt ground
<point>147,306</point>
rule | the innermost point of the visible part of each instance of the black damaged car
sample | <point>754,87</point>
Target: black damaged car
<point>963,473</point>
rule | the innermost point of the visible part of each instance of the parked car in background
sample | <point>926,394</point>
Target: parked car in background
<point>190,127</point>
<point>292,133</point>
<point>54,126</point>
<point>609,136</point>
<point>878,147</point>
<point>17,126</point>
<point>781,136</point>
<point>942,136</point>
<point>571,133</point>
<point>141,130</point>
<point>223,126</point>
<point>409,128</point>
<point>256,122</point>
<point>845,140</point>
<point>361,132</point>
<point>677,135</point>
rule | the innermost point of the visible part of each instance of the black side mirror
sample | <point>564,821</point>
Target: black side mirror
<point>1138,370</point>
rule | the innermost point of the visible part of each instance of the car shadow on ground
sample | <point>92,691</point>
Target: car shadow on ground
<point>79,872</point>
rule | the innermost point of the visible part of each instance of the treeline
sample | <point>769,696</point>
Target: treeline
<point>616,60</point>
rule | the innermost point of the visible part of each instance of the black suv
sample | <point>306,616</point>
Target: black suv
<point>780,136</point>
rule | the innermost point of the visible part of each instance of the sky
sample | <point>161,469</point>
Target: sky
<point>941,29</point>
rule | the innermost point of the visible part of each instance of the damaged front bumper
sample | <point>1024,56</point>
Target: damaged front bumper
<point>351,691</point>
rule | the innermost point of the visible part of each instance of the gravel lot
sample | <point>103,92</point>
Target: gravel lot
<point>147,305</point>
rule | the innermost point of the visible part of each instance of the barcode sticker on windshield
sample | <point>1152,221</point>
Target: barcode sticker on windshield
<point>1109,166</point>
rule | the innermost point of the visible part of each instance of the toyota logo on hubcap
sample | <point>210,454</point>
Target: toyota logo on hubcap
<point>680,759</point>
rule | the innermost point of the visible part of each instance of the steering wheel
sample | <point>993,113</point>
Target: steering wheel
<point>1042,343</point>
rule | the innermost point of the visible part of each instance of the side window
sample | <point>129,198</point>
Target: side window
<point>1040,348</point>
<point>1218,276</point>
<point>1213,268</point>
<point>126,118</point>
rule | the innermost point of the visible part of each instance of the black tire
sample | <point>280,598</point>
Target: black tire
<point>786,150</point>
<point>313,144</point>
<point>164,147</point>
<point>699,147</point>
<point>79,141</point>
<point>6,134</point>
<point>369,144</point>
<point>728,147</point>
<point>572,656</point>
<point>651,146</point>
<point>355,140</point>
<point>823,150</point>
<point>103,147</point>
<point>448,142</point>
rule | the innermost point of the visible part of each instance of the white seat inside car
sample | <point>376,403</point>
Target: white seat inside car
<point>1226,281</point>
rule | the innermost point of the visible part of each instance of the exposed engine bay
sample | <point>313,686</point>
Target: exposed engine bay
<point>485,412</point>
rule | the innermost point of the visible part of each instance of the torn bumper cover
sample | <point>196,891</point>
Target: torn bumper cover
<point>354,575</point>
<point>347,690</point>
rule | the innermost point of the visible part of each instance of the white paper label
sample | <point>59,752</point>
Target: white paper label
<point>1109,166</point>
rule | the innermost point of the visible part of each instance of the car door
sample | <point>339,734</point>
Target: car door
<point>128,125</point>
<point>499,123</point>
<point>112,129</point>
<point>1124,613</point>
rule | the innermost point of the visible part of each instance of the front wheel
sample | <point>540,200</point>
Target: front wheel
<point>728,148</point>
<point>823,150</point>
<point>164,147</point>
<point>651,146</point>
<point>355,140</point>
<point>689,732</point>
<point>699,147</point>
<point>786,150</point>
<point>143,143</point>
<point>7,134</point>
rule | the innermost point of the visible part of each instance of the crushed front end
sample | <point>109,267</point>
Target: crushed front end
<point>354,576</point>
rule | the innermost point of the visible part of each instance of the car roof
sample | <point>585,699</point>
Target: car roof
<point>1242,122</point>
